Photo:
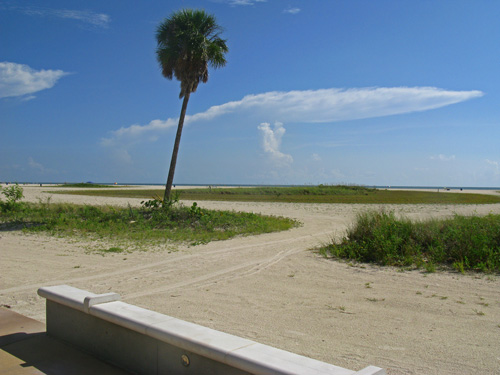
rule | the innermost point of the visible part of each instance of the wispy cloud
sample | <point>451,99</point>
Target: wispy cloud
<point>314,106</point>
<point>239,2</point>
<point>38,167</point>
<point>35,165</point>
<point>495,165</point>
<point>316,157</point>
<point>19,80</point>
<point>271,142</point>
<point>292,10</point>
<point>85,16</point>
<point>442,157</point>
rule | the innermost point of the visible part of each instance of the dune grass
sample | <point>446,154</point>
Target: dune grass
<point>305,194</point>
<point>464,243</point>
<point>178,224</point>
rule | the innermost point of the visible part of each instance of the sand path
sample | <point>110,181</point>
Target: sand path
<point>273,289</point>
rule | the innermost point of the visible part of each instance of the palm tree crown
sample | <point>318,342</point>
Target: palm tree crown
<point>188,41</point>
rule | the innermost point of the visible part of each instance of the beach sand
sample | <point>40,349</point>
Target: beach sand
<point>274,289</point>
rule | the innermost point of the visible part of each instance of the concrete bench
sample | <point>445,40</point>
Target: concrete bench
<point>147,342</point>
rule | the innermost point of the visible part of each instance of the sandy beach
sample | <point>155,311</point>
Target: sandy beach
<point>274,289</point>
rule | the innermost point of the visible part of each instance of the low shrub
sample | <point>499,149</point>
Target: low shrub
<point>462,242</point>
<point>13,194</point>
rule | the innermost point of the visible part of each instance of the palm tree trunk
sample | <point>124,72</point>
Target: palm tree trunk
<point>173,161</point>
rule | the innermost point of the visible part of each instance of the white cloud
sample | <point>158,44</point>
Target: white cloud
<point>19,79</point>
<point>86,16</point>
<point>330,105</point>
<point>292,10</point>
<point>239,2</point>
<point>271,142</point>
<point>312,106</point>
<point>442,157</point>
<point>136,130</point>
<point>28,98</point>
<point>95,19</point>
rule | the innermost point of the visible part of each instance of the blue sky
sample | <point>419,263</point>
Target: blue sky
<point>373,92</point>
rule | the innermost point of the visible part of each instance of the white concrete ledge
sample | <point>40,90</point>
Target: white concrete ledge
<point>371,370</point>
<point>76,298</point>
<point>89,301</point>
<point>66,295</point>
<point>106,312</point>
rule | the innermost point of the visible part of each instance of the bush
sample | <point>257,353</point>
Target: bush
<point>463,242</point>
<point>13,194</point>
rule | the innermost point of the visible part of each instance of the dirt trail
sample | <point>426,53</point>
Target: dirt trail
<point>273,289</point>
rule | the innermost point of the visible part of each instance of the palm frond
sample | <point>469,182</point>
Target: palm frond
<point>187,42</point>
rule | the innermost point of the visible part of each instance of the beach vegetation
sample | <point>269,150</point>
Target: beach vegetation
<point>13,194</point>
<point>187,43</point>
<point>304,194</point>
<point>85,185</point>
<point>144,224</point>
<point>463,243</point>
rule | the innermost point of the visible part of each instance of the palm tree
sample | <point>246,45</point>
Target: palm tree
<point>188,41</point>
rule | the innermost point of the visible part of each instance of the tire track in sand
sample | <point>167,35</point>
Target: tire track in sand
<point>255,266</point>
<point>181,258</point>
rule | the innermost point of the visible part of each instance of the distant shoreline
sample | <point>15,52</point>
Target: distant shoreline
<point>392,187</point>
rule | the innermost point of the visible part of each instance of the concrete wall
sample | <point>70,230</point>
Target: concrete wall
<point>146,342</point>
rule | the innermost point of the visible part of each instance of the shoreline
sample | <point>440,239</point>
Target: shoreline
<point>194,186</point>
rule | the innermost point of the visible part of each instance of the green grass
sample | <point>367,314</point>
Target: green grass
<point>307,194</point>
<point>462,242</point>
<point>178,224</point>
<point>85,185</point>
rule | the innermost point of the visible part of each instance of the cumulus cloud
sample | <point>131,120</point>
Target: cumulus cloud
<point>442,157</point>
<point>85,16</point>
<point>271,142</point>
<point>19,79</point>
